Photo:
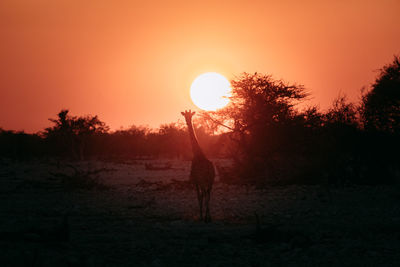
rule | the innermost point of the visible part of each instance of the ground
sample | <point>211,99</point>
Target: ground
<point>149,218</point>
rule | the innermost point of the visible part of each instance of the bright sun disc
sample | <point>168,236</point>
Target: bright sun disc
<point>210,91</point>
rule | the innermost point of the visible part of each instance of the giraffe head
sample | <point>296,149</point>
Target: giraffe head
<point>188,114</point>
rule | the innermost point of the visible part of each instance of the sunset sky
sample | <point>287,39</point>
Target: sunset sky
<point>132,62</point>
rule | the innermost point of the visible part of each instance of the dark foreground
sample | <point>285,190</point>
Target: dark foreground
<point>148,218</point>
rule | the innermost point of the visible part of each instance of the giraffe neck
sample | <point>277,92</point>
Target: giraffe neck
<point>197,152</point>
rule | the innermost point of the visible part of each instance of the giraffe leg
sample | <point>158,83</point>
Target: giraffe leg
<point>207,202</point>
<point>200,200</point>
<point>205,205</point>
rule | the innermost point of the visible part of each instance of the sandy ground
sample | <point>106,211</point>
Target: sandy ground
<point>149,218</point>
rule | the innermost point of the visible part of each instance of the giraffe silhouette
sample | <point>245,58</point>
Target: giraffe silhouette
<point>202,172</point>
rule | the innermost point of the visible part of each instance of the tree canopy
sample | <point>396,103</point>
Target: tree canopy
<point>75,132</point>
<point>381,105</point>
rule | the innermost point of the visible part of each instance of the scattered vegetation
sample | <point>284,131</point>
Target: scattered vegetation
<point>270,139</point>
<point>273,141</point>
<point>80,178</point>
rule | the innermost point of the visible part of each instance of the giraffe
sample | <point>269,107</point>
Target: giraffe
<point>202,171</point>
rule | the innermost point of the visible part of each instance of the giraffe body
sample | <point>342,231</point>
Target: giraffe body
<point>202,171</point>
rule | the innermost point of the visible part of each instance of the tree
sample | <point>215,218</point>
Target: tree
<point>173,140</point>
<point>381,105</point>
<point>342,113</point>
<point>20,145</point>
<point>261,119</point>
<point>75,132</point>
<point>380,113</point>
<point>129,142</point>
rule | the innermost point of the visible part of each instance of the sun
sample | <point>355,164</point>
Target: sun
<point>210,91</point>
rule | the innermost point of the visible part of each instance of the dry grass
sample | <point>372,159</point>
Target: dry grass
<point>149,218</point>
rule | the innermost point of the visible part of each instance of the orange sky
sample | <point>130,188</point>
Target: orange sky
<point>132,62</point>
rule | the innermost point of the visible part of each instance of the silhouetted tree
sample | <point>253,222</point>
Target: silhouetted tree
<point>131,142</point>
<point>339,142</point>
<point>173,140</point>
<point>342,113</point>
<point>20,145</point>
<point>262,123</point>
<point>75,132</point>
<point>381,105</point>
<point>380,112</point>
